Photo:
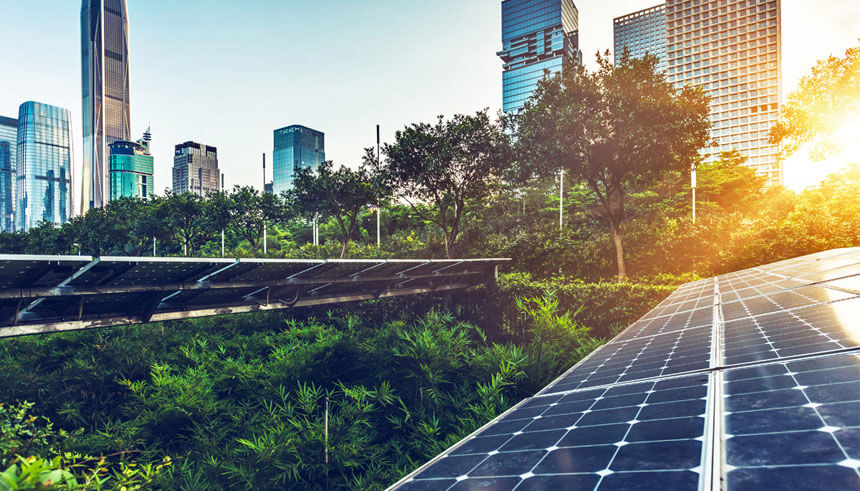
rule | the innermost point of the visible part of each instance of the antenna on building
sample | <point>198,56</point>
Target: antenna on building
<point>147,135</point>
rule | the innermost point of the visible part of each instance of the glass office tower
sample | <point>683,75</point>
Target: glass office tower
<point>44,166</point>
<point>642,32</point>
<point>195,169</point>
<point>537,35</point>
<point>296,147</point>
<point>106,114</point>
<point>8,151</point>
<point>131,169</point>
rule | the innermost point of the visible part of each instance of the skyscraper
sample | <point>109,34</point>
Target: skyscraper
<point>537,35</point>
<point>642,32</point>
<point>8,151</point>
<point>195,169</point>
<point>44,165</point>
<point>733,50</point>
<point>104,60</point>
<point>296,147</point>
<point>131,169</point>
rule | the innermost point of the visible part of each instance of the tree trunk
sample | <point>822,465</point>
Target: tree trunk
<point>619,250</point>
<point>447,245</point>
<point>343,249</point>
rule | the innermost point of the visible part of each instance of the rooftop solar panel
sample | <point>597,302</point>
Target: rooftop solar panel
<point>750,380</point>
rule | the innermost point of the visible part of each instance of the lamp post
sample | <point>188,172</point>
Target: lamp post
<point>560,202</point>
<point>693,187</point>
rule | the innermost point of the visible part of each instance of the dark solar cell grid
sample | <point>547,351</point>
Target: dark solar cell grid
<point>797,332</point>
<point>670,323</point>
<point>640,358</point>
<point>794,425</point>
<point>783,300</point>
<point>592,439</point>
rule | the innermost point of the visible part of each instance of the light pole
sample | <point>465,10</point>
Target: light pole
<point>560,202</point>
<point>693,187</point>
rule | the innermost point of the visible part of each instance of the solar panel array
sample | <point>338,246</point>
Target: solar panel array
<point>41,294</point>
<point>749,380</point>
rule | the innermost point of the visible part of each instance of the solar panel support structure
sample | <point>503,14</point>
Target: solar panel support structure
<point>42,294</point>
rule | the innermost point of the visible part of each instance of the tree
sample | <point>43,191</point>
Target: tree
<point>185,215</point>
<point>250,212</point>
<point>826,102</point>
<point>446,164</point>
<point>729,183</point>
<point>616,129</point>
<point>340,193</point>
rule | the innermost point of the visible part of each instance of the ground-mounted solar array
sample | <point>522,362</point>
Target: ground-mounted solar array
<point>40,294</point>
<point>749,380</point>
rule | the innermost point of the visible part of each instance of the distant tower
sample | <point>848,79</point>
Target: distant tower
<point>8,154</point>
<point>195,169</point>
<point>106,114</point>
<point>131,167</point>
<point>642,32</point>
<point>296,147</point>
<point>44,166</point>
<point>536,36</point>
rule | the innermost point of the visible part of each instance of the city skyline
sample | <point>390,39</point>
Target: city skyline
<point>346,94</point>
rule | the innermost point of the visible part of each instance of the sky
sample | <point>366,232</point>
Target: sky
<point>228,72</point>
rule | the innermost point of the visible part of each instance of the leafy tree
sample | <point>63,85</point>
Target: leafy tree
<point>185,216</point>
<point>250,212</point>
<point>728,183</point>
<point>446,164</point>
<point>825,102</point>
<point>616,129</point>
<point>340,193</point>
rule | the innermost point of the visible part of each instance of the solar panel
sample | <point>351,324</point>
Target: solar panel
<point>750,380</point>
<point>41,294</point>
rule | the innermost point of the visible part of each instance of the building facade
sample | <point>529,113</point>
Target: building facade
<point>733,50</point>
<point>43,166</point>
<point>640,33</point>
<point>105,84</point>
<point>537,35</point>
<point>296,147</point>
<point>195,169</point>
<point>131,167</point>
<point>8,154</point>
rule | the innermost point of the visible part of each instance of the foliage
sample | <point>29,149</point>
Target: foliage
<point>615,129</point>
<point>444,165</point>
<point>340,194</point>
<point>24,437</point>
<point>825,103</point>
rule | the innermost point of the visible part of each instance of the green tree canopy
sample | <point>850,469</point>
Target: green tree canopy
<point>826,101</point>
<point>444,165</point>
<point>340,193</point>
<point>615,129</point>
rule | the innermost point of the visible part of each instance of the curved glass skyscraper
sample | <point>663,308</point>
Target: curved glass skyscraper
<point>296,147</point>
<point>104,58</point>
<point>8,154</point>
<point>44,165</point>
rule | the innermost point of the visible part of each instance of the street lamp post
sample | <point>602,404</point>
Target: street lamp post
<point>693,187</point>
<point>560,202</point>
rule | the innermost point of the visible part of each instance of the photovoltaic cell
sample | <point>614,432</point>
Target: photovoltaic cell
<point>794,425</point>
<point>608,438</point>
<point>766,394</point>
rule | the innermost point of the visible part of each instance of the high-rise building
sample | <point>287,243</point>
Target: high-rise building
<point>195,169</point>
<point>642,32</point>
<point>106,114</point>
<point>537,35</point>
<point>296,147</point>
<point>43,166</point>
<point>733,50</point>
<point>8,154</point>
<point>131,168</point>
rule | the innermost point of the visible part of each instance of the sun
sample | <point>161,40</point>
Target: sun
<point>803,171</point>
